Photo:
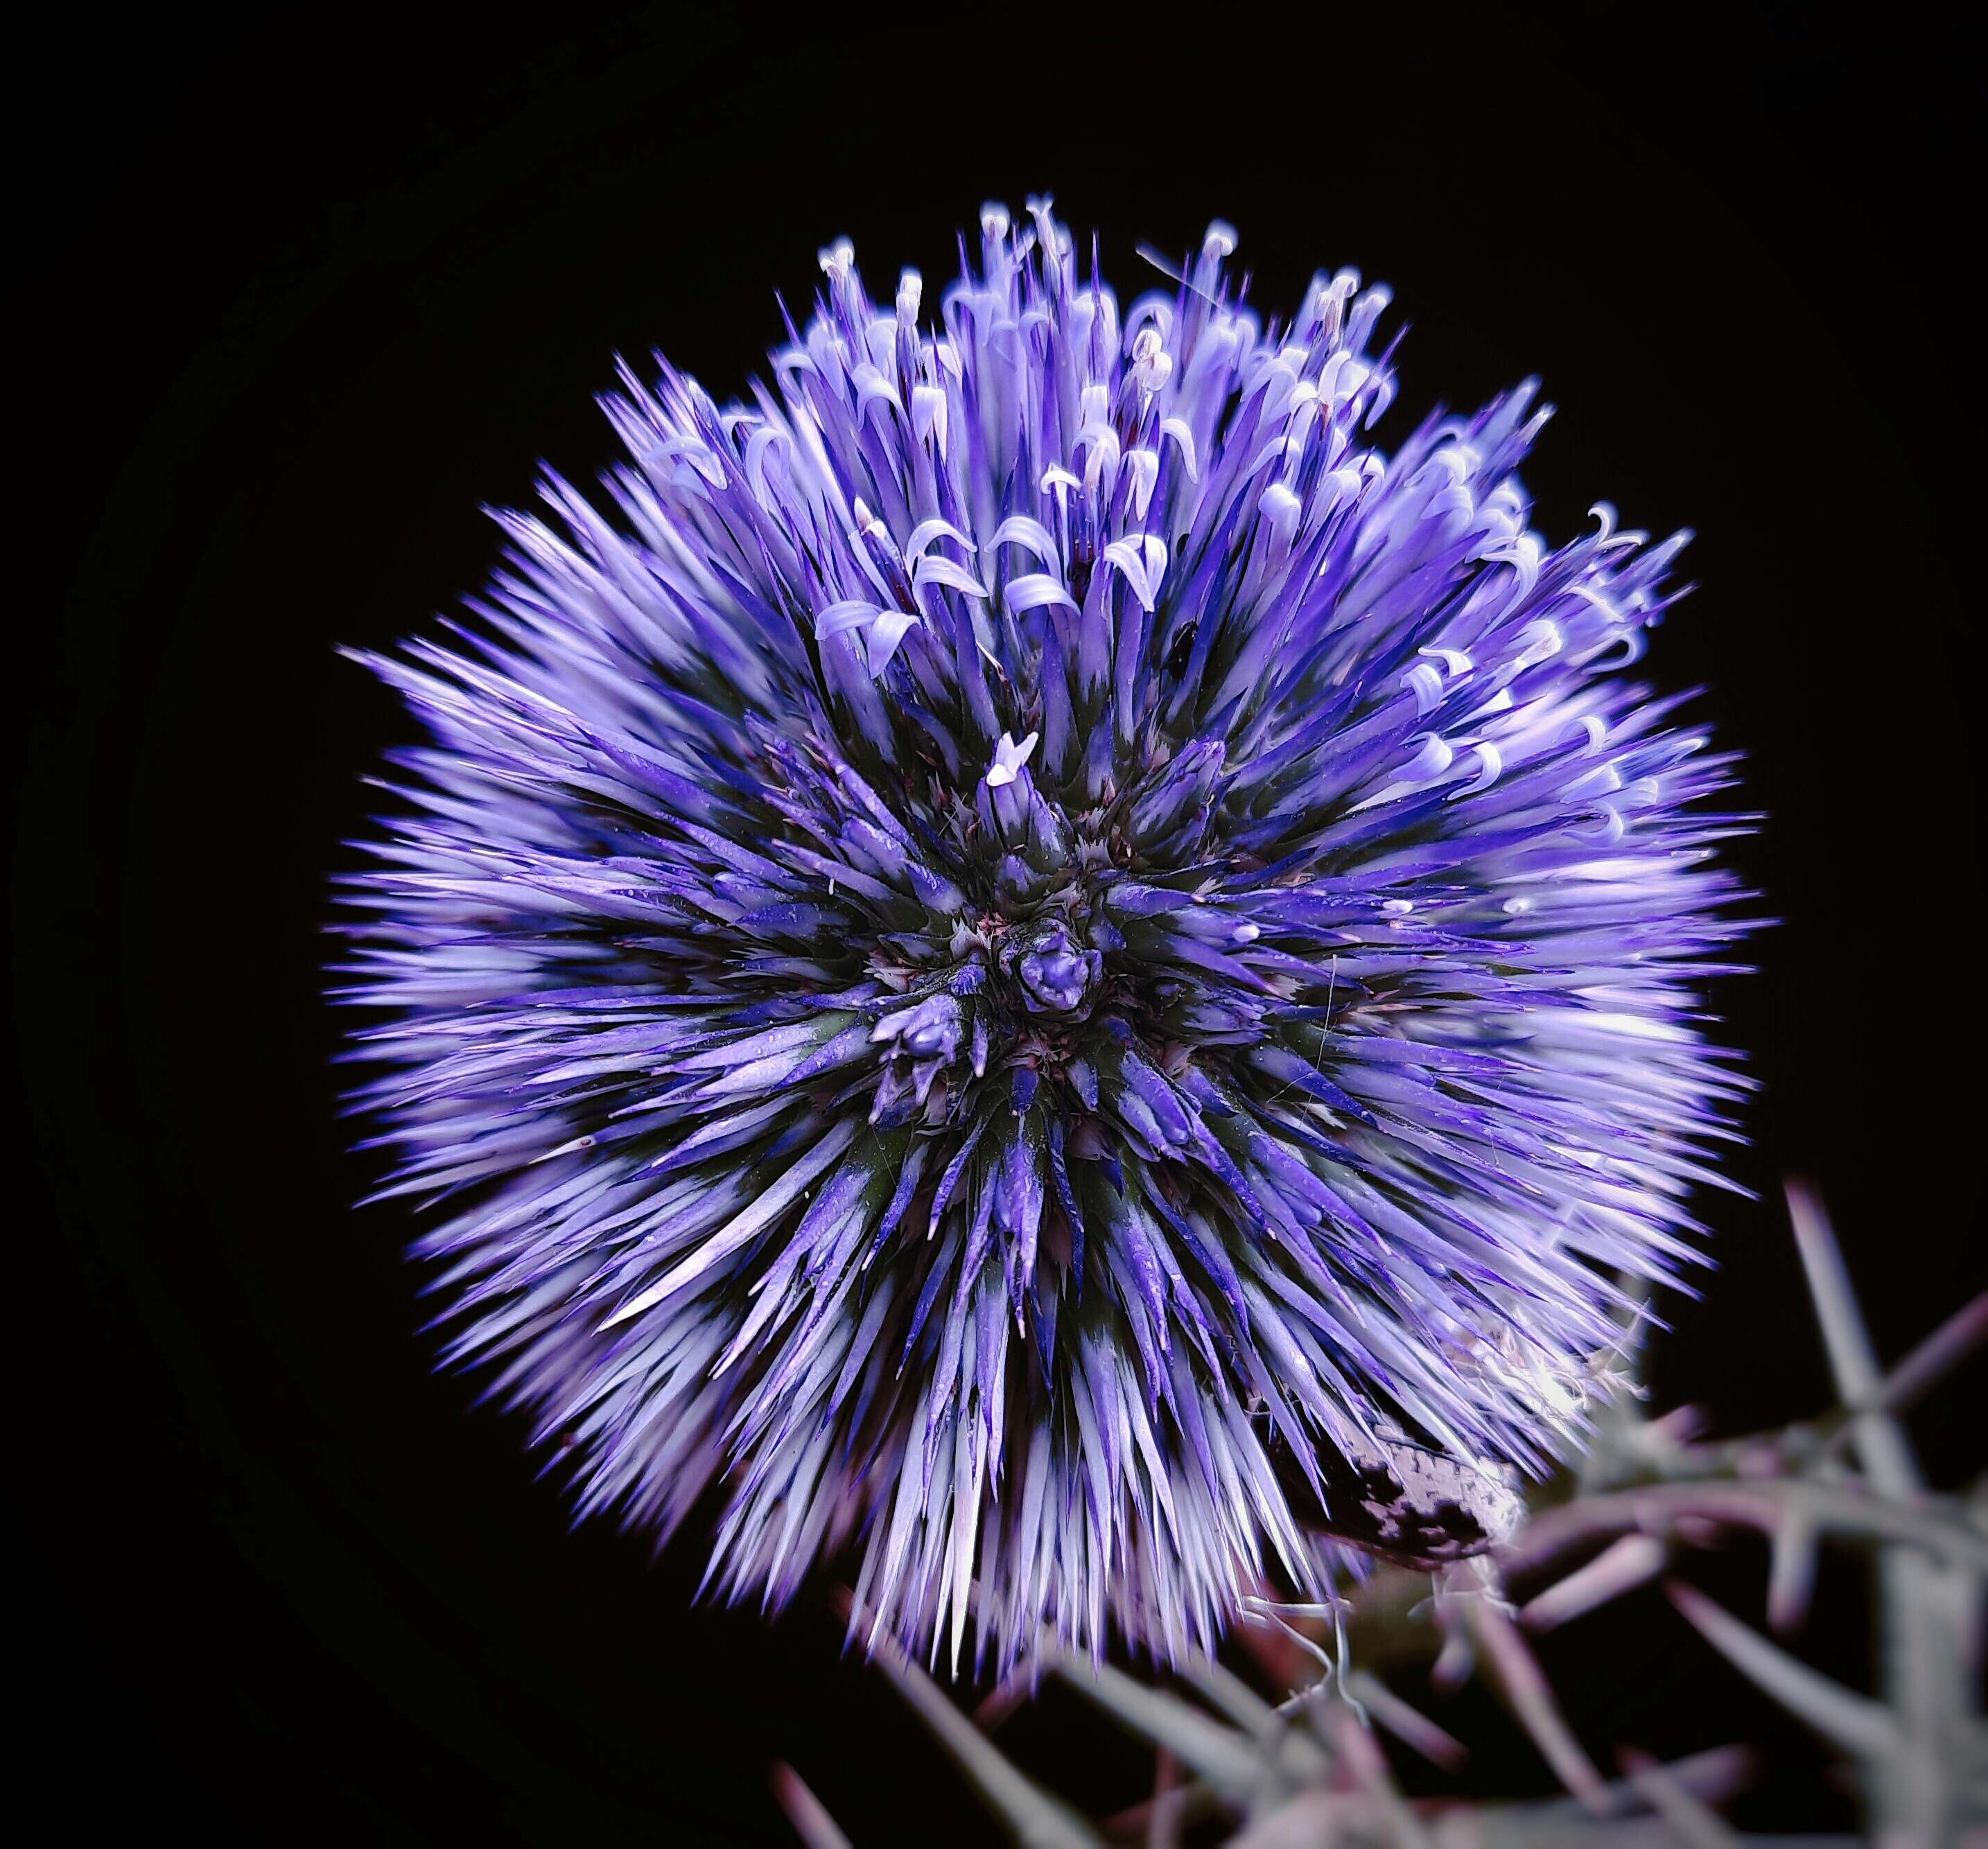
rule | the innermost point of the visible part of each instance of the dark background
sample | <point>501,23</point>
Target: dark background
<point>294,292</point>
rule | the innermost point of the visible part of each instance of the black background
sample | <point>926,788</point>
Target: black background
<point>295,292</point>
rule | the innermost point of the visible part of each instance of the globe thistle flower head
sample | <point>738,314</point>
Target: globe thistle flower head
<point>1046,965</point>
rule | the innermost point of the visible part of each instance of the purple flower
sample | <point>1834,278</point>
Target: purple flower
<point>1046,964</point>
<point>1056,976</point>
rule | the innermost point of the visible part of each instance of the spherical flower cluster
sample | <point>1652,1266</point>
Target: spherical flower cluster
<point>1046,965</point>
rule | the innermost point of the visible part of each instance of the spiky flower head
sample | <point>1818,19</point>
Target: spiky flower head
<point>1044,963</point>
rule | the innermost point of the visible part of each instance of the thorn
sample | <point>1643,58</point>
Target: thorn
<point>1791,1570</point>
<point>1859,1725</point>
<point>1620,1567</point>
<point>1530,1697</point>
<point>810,1816</point>
<point>1693,1818</point>
<point>1406,1723</point>
<point>1934,1355</point>
<point>1033,1815</point>
<point>1880,1441</point>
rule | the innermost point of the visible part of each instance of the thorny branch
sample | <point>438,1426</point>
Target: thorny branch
<point>1308,1769</point>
